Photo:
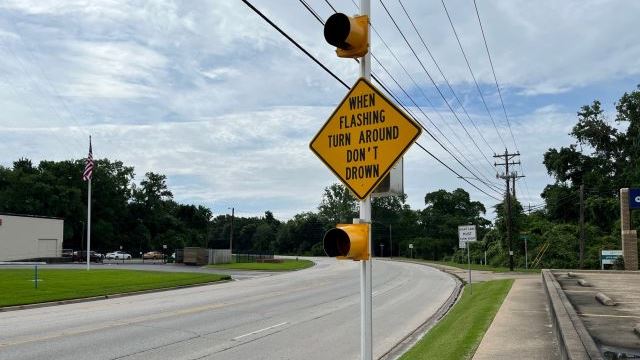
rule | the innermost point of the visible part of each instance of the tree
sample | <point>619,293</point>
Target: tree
<point>440,219</point>
<point>603,158</point>
<point>263,239</point>
<point>337,205</point>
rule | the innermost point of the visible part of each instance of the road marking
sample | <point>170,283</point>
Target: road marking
<point>151,317</point>
<point>259,331</point>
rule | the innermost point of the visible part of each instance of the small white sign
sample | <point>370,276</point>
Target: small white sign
<point>466,233</point>
<point>410,246</point>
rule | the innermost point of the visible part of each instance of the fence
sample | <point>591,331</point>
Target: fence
<point>219,256</point>
<point>252,257</point>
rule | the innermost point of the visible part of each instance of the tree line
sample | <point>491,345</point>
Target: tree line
<point>142,217</point>
<point>604,157</point>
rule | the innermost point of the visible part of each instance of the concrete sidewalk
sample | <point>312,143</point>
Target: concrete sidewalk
<point>522,328</point>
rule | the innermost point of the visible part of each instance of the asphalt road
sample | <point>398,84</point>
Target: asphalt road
<point>308,314</point>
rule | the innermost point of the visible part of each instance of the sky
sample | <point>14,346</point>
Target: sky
<point>207,93</point>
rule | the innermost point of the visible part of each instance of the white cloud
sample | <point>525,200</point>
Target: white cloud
<point>212,96</point>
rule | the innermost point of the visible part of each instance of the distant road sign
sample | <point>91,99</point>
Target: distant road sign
<point>364,137</point>
<point>609,257</point>
<point>466,233</point>
<point>634,198</point>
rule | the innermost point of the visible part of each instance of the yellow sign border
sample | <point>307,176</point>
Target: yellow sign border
<point>400,154</point>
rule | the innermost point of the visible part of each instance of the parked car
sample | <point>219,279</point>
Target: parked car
<point>153,255</point>
<point>118,255</point>
<point>82,256</point>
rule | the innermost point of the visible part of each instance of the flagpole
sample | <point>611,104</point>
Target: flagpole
<point>89,227</point>
<point>87,175</point>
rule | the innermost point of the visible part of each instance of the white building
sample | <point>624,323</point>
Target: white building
<point>29,237</point>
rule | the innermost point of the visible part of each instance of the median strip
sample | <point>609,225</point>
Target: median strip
<point>62,285</point>
<point>281,265</point>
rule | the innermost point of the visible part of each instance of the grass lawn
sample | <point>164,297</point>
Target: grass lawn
<point>17,285</point>
<point>482,267</point>
<point>459,333</point>
<point>286,265</point>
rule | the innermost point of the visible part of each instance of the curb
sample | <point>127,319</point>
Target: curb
<point>574,340</point>
<point>104,297</point>
<point>412,338</point>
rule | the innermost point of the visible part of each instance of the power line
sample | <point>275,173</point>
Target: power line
<point>486,46</point>
<point>423,95</point>
<point>426,98</point>
<point>331,6</point>
<point>495,78</point>
<point>294,42</point>
<point>343,83</point>
<point>453,171</point>
<point>312,11</point>
<point>489,185</point>
<point>475,81</point>
<point>445,78</point>
<point>487,182</point>
<point>433,81</point>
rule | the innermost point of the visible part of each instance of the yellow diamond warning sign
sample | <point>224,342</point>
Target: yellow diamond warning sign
<point>364,137</point>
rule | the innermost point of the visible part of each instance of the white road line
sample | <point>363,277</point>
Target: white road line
<point>258,331</point>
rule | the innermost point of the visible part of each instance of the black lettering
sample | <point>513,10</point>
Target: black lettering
<point>379,134</point>
<point>339,140</point>
<point>362,101</point>
<point>362,172</point>
<point>356,155</point>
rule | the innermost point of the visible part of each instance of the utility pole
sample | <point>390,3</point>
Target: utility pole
<point>508,176</point>
<point>581,226</point>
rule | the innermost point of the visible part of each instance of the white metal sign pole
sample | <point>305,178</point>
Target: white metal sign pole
<point>469,264</point>
<point>366,314</point>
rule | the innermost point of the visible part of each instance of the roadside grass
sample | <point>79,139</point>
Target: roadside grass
<point>459,333</point>
<point>286,265</point>
<point>17,285</point>
<point>478,266</point>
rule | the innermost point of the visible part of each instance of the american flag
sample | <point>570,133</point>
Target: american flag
<point>88,168</point>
